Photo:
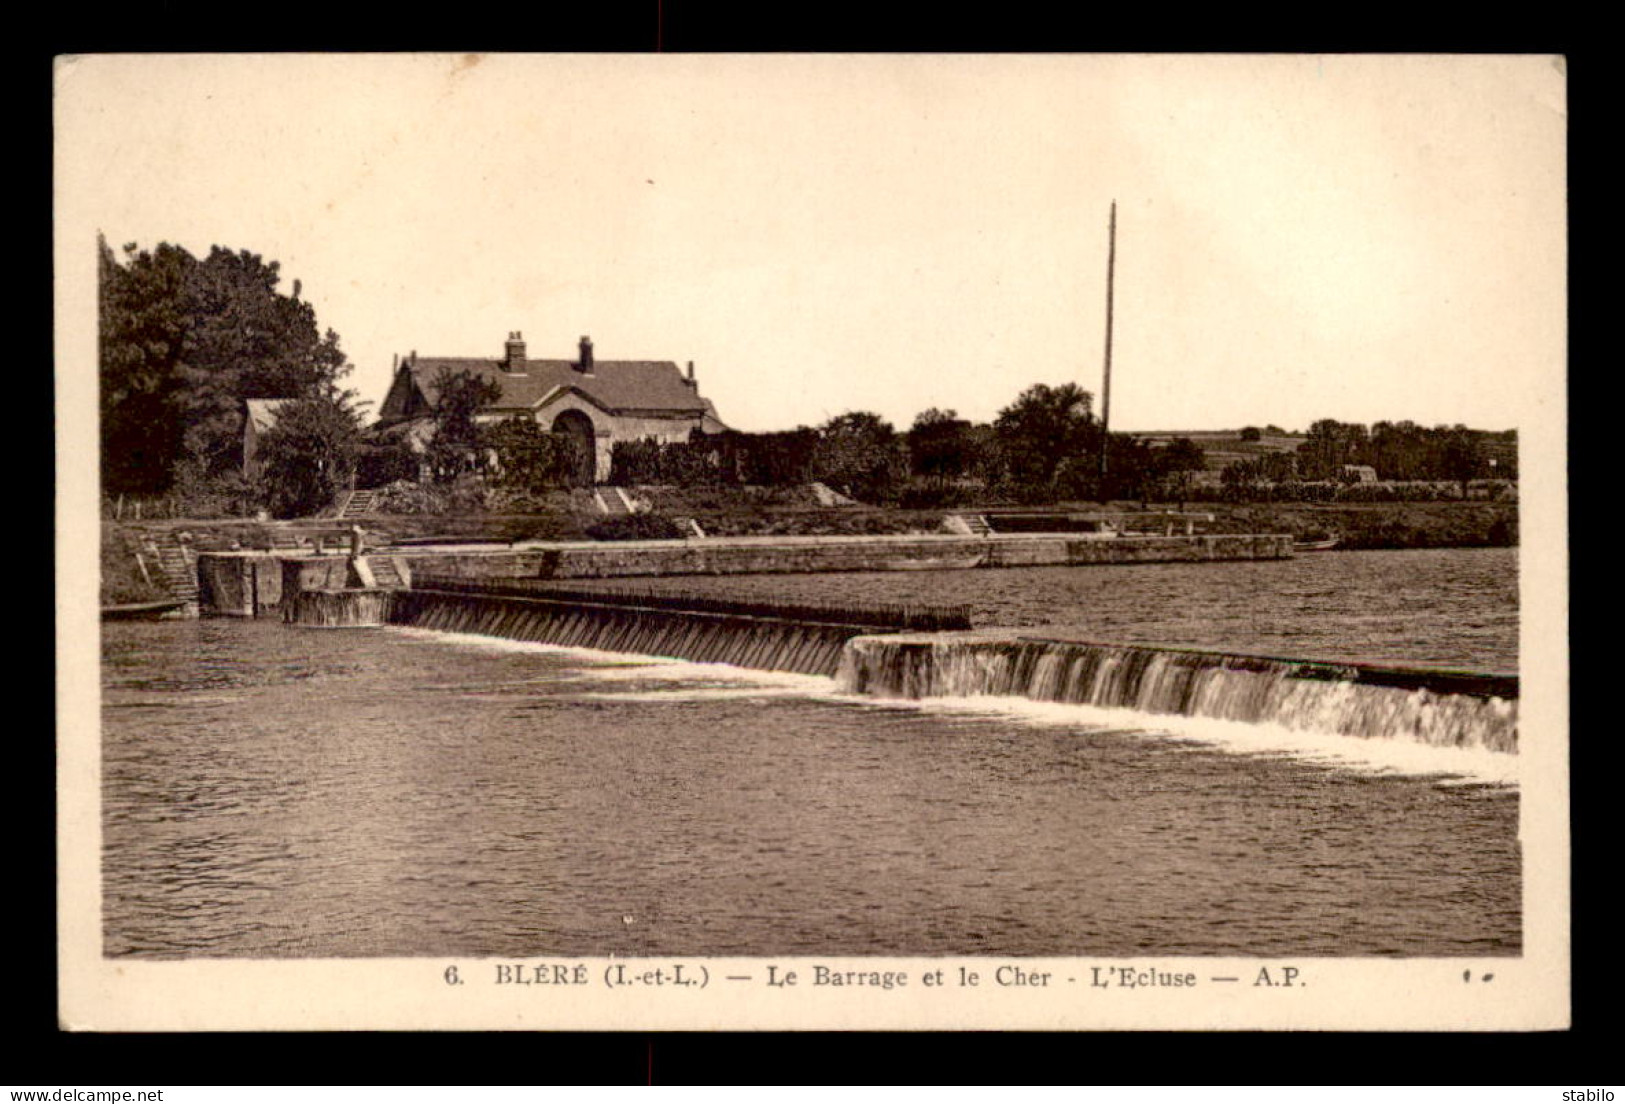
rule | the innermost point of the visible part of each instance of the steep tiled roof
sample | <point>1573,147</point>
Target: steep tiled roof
<point>711,423</point>
<point>618,385</point>
<point>263,412</point>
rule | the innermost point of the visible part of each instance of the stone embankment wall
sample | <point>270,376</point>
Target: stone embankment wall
<point>254,584</point>
<point>620,560</point>
<point>258,584</point>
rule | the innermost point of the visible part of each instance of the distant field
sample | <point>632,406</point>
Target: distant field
<point>1223,447</point>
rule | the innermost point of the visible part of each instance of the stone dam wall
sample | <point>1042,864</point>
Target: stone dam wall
<point>259,584</point>
<point>1369,701</point>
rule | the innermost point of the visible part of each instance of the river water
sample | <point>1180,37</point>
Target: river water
<point>1456,607</point>
<point>272,791</point>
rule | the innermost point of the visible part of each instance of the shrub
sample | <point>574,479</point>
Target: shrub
<point>380,465</point>
<point>948,496</point>
<point>463,495</point>
<point>526,458</point>
<point>635,527</point>
<point>198,493</point>
<point>517,500</point>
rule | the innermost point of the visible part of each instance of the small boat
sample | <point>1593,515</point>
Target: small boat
<point>142,611</point>
<point>1324,545</point>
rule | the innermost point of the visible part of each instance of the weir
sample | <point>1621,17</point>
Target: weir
<point>802,639</point>
<point>348,608</point>
<point>1365,700</point>
<point>891,651</point>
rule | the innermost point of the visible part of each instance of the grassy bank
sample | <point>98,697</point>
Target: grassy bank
<point>123,581</point>
<point>1383,525</point>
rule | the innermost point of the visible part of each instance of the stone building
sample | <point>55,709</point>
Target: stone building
<point>259,417</point>
<point>596,402</point>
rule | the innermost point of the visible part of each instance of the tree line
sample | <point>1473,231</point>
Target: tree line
<point>1043,447</point>
<point>1396,452</point>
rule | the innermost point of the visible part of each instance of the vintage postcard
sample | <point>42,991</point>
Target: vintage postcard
<point>790,542</point>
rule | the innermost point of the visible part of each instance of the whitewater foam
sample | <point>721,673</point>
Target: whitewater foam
<point>688,681</point>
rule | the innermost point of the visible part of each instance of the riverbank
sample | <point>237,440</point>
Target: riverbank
<point>1386,525</point>
<point>1393,525</point>
<point>1360,526</point>
<point>123,580</point>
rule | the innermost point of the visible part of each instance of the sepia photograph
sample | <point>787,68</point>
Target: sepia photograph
<point>1062,541</point>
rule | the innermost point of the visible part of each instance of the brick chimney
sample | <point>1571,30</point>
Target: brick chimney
<point>514,358</point>
<point>692,384</point>
<point>585,363</point>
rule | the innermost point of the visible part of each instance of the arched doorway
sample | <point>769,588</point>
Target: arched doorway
<point>578,430</point>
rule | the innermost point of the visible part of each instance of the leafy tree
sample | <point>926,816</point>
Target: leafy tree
<point>142,325</point>
<point>380,464</point>
<point>1181,455</point>
<point>1175,465</point>
<point>774,459</point>
<point>245,340</point>
<point>1501,454</point>
<point>1401,451</point>
<point>1130,468</point>
<point>183,342</point>
<point>939,445</point>
<point>1044,426</point>
<point>1251,433</point>
<point>1463,457</point>
<point>459,395</point>
<point>1330,445</point>
<point>309,455</point>
<point>527,457</point>
<point>859,453</point>
<point>634,462</point>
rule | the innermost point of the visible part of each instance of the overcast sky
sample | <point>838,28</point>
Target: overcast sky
<point>1350,237</point>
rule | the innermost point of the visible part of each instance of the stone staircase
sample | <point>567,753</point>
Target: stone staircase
<point>386,572</point>
<point>178,567</point>
<point>613,501</point>
<point>971,525</point>
<point>357,504</point>
<point>828,497</point>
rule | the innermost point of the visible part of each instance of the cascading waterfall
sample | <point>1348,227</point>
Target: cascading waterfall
<point>764,643</point>
<point>1440,709</point>
<point>1369,701</point>
<point>350,608</point>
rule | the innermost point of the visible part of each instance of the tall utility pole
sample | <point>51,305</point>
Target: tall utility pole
<point>1106,387</point>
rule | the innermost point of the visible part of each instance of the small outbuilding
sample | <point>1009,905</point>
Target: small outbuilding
<point>259,415</point>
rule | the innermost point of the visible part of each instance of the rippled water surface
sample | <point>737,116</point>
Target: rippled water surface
<point>273,792</point>
<point>1446,606</point>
